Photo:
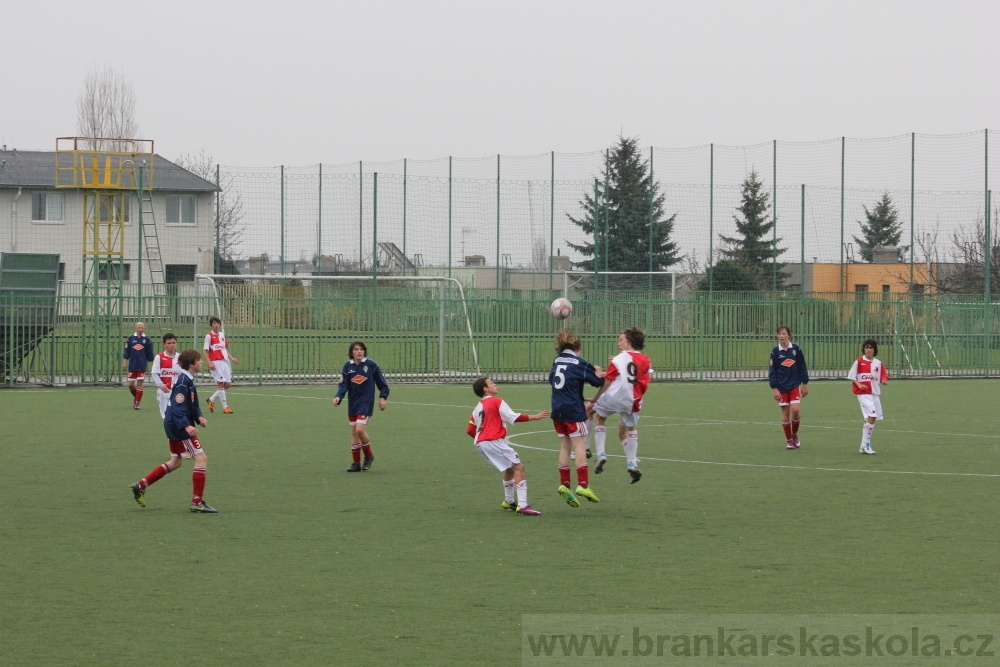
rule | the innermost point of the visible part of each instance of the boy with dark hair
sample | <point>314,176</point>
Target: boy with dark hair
<point>358,380</point>
<point>789,379</point>
<point>866,375</point>
<point>487,427</point>
<point>625,383</point>
<point>218,357</point>
<point>183,413</point>
<point>138,354</point>
<point>165,369</point>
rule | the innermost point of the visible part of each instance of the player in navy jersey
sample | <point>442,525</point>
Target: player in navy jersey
<point>789,379</point>
<point>138,354</point>
<point>183,413</point>
<point>358,380</point>
<point>569,373</point>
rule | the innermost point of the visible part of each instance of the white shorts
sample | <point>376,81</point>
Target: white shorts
<point>871,406</point>
<point>162,400</point>
<point>626,418</point>
<point>499,453</point>
<point>222,371</point>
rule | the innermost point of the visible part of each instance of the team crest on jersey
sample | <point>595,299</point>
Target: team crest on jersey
<point>788,362</point>
<point>359,379</point>
<point>179,398</point>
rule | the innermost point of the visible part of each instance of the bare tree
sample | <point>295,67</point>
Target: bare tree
<point>230,203</point>
<point>105,108</point>
<point>966,272</point>
<point>540,254</point>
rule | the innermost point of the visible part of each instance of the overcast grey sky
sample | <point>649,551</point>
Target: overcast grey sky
<point>301,82</point>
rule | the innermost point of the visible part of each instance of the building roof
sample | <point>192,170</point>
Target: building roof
<point>36,169</point>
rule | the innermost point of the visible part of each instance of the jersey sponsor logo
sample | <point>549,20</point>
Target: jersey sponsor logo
<point>137,346</point>
<point>179,398</point>
<point>867,377</point>
<point>359,379</point>
<point>788,362</point>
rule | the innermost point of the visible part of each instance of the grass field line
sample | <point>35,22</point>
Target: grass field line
<point>760,465</point>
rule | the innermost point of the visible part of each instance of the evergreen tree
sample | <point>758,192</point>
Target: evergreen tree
<point>622,242</point>
<point>880,228</point>
<point>754,250</point>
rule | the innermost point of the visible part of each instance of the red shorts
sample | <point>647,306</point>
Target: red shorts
<point>357,419</point>
<point>136,375</point>
<point>570,428</point>
<point>184,448</point>
<point>789,397</point>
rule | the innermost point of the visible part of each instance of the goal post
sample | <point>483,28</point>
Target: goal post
<point>436,293</point>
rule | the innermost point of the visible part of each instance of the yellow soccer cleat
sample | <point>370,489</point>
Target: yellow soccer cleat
<point>568,495</point>
<point>588,494</point>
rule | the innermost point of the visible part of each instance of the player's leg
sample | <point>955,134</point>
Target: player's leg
<point>794,413</point>
<point>509,502</point>
<point>521,489</point>
<point>139,488</point>
<point>355,445</point>
<point>162,401</point>
<point>361,429</point>
<point>600,438</point>
<point>582,469</point>
<point>198,475</point>
<point>222,395</point>
<point>786,425</point>
<point>628,429</point>
<point>565,449</point>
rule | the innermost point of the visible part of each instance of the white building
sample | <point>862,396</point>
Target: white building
<point>35,216</point>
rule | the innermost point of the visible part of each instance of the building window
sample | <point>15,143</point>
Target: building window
<point>109,209</point>
<point>860,292</point>
<point>109,271</point>
<point>179,273</point>
<point>180,210</point>
<point>62,270</point>
<point>47,207</point>
<point>917,292</point>
<point>886,290</point>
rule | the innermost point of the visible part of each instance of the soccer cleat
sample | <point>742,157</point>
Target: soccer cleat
<point>634,473</point>
<point>512,505</point>
<point>867,449</point>
<point>796,441</point>
<point>203,508</point>
<point>354,468</point>
<point>227,410</point>
<point>138,493</point>
<point>568,495</point>
<point>367,463</point>
<point>601,460</point>
<point>588,494</point>
<point>135,405</point>
<point>790,444</point>
<point>211,405</point>
<point>589,454</point>
<point>528,510</point>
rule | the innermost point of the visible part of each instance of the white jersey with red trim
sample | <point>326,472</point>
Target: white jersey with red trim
<point>490,417</point>
<point>165,369</point>
<point>868,374</point>
<point>217,346</point>
<point>629,372</point>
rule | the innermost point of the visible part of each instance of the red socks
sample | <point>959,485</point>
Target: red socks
<point>154,474</point>
<point>564,476</point>
<point>131,389</point>
<point>582,475</point>
<point>198,484</point>
<point>356,453</point>
<point>138,396</point>
<point>788,429</point>
<point>367,449</point>
<point>795,426</point>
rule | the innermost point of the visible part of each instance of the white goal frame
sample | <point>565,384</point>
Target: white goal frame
<point>210,279</point>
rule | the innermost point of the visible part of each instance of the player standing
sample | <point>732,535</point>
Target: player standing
<point>165,369</point>
<point>358,380</point>
<point>487,427</point>
<point>138,354</point>
<point>625,384</point>
<point>866,375</point>
<point>183,413</point>
<point>789,379</point>
<point>218,357</point>
<point>569,412</point>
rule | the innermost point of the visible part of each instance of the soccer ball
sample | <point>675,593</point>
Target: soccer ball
<point>561,308</point>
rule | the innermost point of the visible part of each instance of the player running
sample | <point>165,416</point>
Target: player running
<point>625,384</point>
<point>569,413</point>
<point>138,354</point>
<point>866,375</point>
<point>165,369</point>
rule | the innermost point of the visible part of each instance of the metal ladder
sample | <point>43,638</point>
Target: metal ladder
<point>151,242</point>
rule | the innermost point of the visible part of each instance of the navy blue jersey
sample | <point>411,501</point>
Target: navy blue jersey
<point>787,369</point>
<point>358,381</point>
<point>569,373</point>
<point>139,352</point>
<point>183,409</point>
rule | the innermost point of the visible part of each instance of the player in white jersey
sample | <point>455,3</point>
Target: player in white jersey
<point>866,374</point>
<point>165,369</point>
<point>218,357</point>
<point>625,383</point>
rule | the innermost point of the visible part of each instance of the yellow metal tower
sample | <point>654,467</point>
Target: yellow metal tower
<point>105,171</point>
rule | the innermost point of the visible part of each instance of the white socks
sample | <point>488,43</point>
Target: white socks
<point>631,445</point>
<point>508,490</point>
<point>866,434</point>
<point>600,436</point>
<point>522,493</point>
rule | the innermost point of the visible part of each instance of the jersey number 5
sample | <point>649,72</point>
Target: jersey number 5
<point>559,380</point>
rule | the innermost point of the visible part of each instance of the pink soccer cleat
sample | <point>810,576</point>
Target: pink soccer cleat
<point>528,510</point>
<point>790,444</point>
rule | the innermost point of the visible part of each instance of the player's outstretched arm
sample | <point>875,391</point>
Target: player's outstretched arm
<point>541,415</point>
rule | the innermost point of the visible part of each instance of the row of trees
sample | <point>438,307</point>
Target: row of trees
<point>628,228</point>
